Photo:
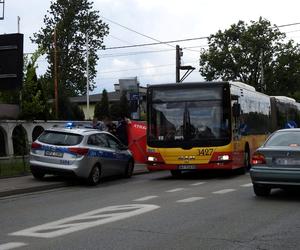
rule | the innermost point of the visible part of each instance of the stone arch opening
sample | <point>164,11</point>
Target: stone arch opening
<point>20,141</point>
<point>3,142</point>
<point>36,132</point>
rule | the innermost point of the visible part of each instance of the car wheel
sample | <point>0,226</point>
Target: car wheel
<point>175,173</point>
<point>261,190</point>
<point>94,176</point>
<point>129,169</point>
<point>38,174</point>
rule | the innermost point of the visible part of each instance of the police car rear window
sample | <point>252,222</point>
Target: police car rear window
<point>60,138</point>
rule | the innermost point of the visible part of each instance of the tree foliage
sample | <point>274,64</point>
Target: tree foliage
<point>246,52</point>
<point>102,108</point>
<point>73,21</point>
<point>124,107</point>
<point>115,111</point>
<point>34,102</point>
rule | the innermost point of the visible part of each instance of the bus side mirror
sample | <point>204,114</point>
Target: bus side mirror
<point>236,109</point>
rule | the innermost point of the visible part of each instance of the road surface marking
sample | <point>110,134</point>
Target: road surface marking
<point>12,245</point>
<point>146,198</point>
<point>192,199</point>
<point>224,191</point>
<point>174,190</point>
<point>247,185</point>
<point>197,183</point>
<point>86,220</point>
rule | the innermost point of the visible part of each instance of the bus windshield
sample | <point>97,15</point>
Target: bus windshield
<point>188,117</point>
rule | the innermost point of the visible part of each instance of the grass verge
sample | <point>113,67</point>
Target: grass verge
<point>14,167</point>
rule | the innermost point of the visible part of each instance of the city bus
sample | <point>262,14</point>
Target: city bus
<point>285,112</point>
<point>207,125</point>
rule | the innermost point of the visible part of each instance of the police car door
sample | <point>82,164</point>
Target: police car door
<point>101,153</point>
<point>120,156</point>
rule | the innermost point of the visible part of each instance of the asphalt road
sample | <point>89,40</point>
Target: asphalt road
<point>153,211</point>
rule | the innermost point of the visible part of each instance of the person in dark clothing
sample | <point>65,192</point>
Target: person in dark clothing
<point>110,126</point>
<point>122,131</point>
<point>97,125</point>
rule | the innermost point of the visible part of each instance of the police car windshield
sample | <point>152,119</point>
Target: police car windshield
<point>60,138</point>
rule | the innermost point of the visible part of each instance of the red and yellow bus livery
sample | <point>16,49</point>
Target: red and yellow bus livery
<point>209,125</point>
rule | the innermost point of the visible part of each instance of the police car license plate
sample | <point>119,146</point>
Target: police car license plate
<point>186,167</point>
<point>54,154</point>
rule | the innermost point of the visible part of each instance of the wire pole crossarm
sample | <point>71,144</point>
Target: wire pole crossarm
<point>189,70</point>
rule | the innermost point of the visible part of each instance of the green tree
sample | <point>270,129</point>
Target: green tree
<point>285,72</point>
<point>10,96</point>
<point>34,102</point>
<point>115,110</point>
<point>77,113</point>
<point>102,108</point>
<point>74,21</point>
<point>124,107</point>
<point>241,52</point>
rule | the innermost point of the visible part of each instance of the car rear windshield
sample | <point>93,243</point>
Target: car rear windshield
<point>60,138</point>
<point>284,138</point>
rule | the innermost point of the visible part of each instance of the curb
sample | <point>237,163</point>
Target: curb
<point>45,187</point>
<point>32,189</point>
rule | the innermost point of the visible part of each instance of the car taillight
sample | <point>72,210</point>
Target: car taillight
<point>258,158</point>
<point>35,145</point>
<point>79,151</point>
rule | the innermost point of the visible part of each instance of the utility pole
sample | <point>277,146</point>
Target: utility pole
<point>55,75</point>
<point>263,88</point>
<point>87,78</point>
<point>2,3</point>
<point>178,62</point>
<point>179,67</point>
<point>18,21</point>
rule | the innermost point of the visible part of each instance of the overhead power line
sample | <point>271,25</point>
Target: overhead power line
<point>171,41</point>
<point>158,43</point>
<point>139,33</point>
<point>149,67</point>
<point>143,68</point>
<point>287,25</point>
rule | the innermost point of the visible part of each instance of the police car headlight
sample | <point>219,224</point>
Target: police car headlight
<point>152,158</point>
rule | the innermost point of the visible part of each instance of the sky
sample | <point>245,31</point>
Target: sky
<point>163,20</point>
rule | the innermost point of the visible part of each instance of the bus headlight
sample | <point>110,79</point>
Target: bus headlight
<point>223,158</point>
<point>152,158</point>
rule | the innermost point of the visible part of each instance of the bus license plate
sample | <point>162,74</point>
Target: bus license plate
<point>54,154</point>
<point>186,167</point>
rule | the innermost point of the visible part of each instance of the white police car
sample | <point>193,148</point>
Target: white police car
<point>82,152</point>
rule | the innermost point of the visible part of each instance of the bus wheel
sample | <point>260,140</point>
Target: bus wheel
<point>247,163</point>
<point>176,173</point>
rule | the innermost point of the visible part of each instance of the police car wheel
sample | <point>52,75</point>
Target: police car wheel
<point>37,174</point>
<point>129,169</point>
<point>94,177</point>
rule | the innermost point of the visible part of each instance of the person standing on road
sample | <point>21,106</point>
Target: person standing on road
<point>121,131</point>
